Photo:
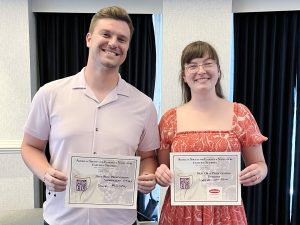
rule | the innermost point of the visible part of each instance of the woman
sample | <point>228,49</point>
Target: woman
<point>207,122</point>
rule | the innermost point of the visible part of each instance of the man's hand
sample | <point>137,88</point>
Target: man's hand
<point>55,180</point>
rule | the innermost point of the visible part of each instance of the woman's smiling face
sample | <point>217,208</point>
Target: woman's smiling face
<point>201,74</point>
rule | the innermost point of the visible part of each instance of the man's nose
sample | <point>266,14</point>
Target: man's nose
<point>112,42</point>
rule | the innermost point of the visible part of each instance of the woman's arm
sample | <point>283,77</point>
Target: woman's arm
<point>163,174</point>
<point>256,168</point>
<point>148,165</point>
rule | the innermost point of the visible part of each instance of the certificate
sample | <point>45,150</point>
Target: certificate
<point>205,178</point>
<point>107,181</point>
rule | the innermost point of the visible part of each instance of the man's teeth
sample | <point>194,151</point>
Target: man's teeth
<point>111,53</point>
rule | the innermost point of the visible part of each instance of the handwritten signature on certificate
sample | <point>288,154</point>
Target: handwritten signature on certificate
<point>205,178</point>
<point>106,181</point>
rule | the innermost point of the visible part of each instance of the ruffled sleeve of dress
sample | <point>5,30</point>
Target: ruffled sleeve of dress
<point>167,128</point>
<point>245,126</point>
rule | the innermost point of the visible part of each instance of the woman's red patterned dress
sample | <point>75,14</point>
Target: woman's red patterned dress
<point>244,133</point>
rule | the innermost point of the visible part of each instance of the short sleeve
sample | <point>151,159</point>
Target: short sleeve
<point>150,139</point>
<point>245,127</point>
<point>39,128</point>
<point>167,129</point>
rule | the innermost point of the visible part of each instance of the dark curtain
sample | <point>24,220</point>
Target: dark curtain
<point>61,44</point>
<point>62,51</point>
<point>265,53</point>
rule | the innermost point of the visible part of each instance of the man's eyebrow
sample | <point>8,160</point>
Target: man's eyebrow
<point>118,34</point>
<point>104,30</point>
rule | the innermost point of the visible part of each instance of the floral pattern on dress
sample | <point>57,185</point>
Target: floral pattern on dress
<point>244,133</point>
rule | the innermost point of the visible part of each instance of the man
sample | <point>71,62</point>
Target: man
<point>92,112</point>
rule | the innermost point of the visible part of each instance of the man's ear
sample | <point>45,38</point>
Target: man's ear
<point>88,39</point>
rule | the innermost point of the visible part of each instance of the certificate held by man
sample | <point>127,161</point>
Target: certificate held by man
<point>107,181</point>
<point>205,178</point>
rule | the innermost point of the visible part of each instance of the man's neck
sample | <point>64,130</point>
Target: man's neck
<point>101,81</point>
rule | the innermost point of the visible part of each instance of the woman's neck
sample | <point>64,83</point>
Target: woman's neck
<point>204,102</point>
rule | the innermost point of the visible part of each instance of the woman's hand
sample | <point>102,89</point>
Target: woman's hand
<point>163,175</point>
<point>253,174</point>
<point>146,183</point>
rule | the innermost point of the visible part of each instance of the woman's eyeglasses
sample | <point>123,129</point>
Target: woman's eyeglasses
<point>193,67</point>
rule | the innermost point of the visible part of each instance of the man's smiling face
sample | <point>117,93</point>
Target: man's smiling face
<point>109,42</point>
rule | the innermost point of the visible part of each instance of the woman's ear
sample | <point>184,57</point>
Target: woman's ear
<point>219,72</point>
<point>183,77</point>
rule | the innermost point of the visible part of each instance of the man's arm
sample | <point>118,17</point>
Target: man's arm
<point>32,151</point>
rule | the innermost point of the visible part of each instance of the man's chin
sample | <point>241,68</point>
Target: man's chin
<point>111,65</point>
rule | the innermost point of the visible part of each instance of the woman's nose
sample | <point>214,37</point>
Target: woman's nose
<point>200,69</point>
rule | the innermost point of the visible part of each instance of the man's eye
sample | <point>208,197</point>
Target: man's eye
<point>105,35</point>
<point>122,40</point>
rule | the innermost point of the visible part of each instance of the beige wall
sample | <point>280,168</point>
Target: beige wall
<point>89,6</point>
<point>264,5</point>
<point>15,67</point>
<point>16,181</point>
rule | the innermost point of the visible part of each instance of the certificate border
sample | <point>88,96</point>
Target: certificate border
<point>132,205</point>
<point>238,200</point>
